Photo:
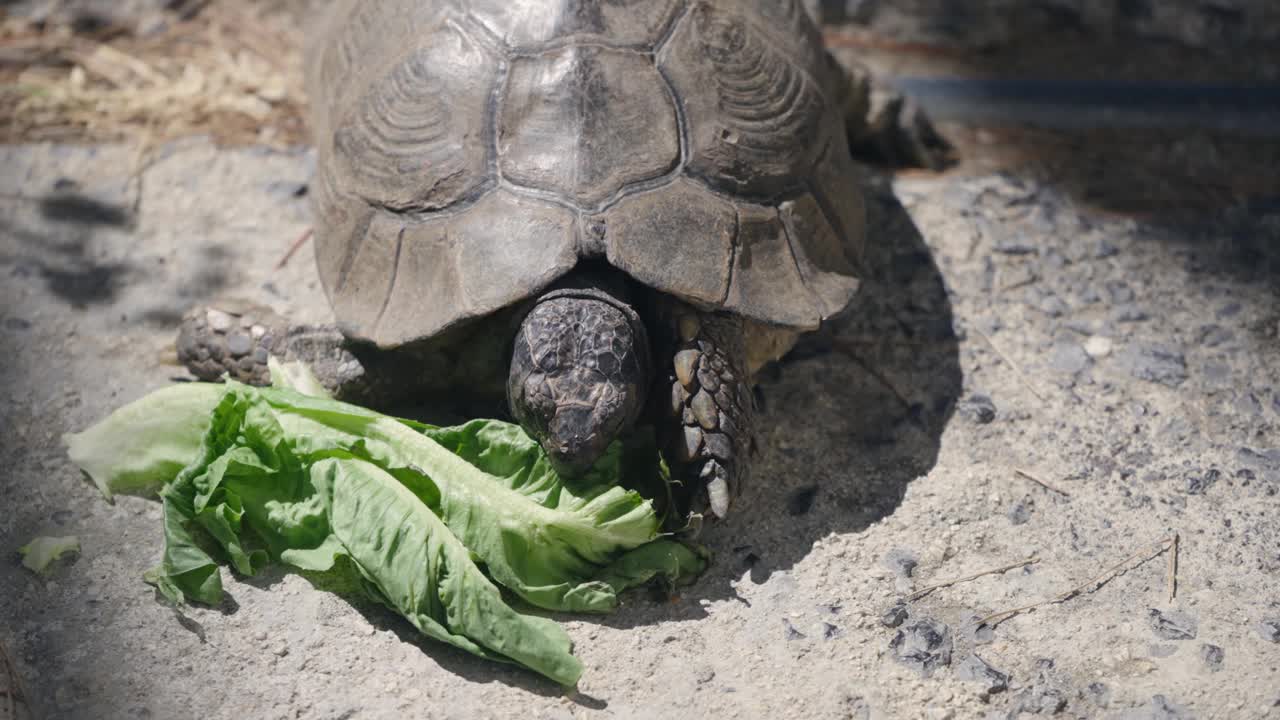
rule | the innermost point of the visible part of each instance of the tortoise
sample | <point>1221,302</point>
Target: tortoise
<point>613,212</point>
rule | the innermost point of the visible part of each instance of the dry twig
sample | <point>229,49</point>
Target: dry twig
<point>1009,361</point>
<point>993,571</point>
<point>15,689</point>
<point>1041,483</point>
<point>297,245</point>
<point>1173,568</point>
<point>1088,586</point>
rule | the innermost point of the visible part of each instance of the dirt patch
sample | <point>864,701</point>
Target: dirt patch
<point>231,70</point>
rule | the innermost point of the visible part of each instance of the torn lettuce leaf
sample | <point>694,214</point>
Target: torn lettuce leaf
<point>426,515</point>
<point>43,551</point>
<point>144,444</point>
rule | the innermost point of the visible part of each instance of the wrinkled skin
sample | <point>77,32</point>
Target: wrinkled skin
<point>579,375</point>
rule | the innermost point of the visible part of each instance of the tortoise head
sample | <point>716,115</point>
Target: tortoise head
<point>579,373</point>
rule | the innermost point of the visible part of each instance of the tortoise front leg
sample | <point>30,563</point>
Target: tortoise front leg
<point>706,425</point>
<point>236,339</point>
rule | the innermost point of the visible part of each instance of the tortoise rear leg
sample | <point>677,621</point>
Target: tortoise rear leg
<point>886,127</point>
<point>705,428</point>
<point>236,340</point>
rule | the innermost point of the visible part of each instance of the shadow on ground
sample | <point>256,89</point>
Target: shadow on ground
<point>848,419</point>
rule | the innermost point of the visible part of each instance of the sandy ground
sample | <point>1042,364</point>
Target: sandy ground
<point>1105,320</point>
<point>1130,364</point>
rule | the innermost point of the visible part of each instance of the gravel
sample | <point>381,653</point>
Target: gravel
<point>923,646</point>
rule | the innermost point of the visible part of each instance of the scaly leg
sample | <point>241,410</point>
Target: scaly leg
<point>706,426</point>
<point>885,127</point>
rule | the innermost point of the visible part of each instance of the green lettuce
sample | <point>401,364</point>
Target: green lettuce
<point>433,519</point>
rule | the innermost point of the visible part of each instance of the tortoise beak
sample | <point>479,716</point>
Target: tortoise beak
<point>574,441</point>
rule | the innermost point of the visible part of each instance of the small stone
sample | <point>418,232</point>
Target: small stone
<point>1157,364</point>
<point>1172,625</point>
<point>1213,335</point>
<point>830,632</point>
<point>901,560</point>
<point>1020,512</point>
<point>1163,709</point>
<point>1013,247</point>
<point>790,630</point>
<point>686,364</point>
<point>978,408</point>
<point>894,616</point>
<point>1269,630</point>
<point>1120,293</point>
<point>924,646</point>
<point>1212,656</point>
<point>218,320</point>
<point>1053,306</point>
<point>1198,482</point>
<point>1097,346</point>
<point>257,331</point>
<point>1099,693</point>
<point>1068,359</point>
<point>281,650</point>
<point>1129,314</point>
<point>975,669</point>
<point>16,324</point>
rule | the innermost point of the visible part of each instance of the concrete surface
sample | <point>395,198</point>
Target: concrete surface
<point>1132,364</point>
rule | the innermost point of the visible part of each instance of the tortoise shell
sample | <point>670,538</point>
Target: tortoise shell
<point>471,152</point>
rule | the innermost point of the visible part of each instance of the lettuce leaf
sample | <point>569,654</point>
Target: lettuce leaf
<point>431,518</point>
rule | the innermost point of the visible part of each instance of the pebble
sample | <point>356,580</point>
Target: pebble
<point>1099,693</point>
<point>1163,709</point>
<point>1269,630</point>
<point>894,616</point>
<point>1097,346</point>
<point>1053,306</point>
<point>1172,625</point>
<point>978,408</point>
<point>1129,314</point>
<point>1198,482</point>
<point>1068,359</point>
<point>1214,335</point>
<point>1212,655</point>
<point>901,560</point>
<point>1020,512</point>
<point>1157,364</point>
<point>1013,247</point>
<point>790,631</point>
<point>923,646</point>
<point>975,669</point>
